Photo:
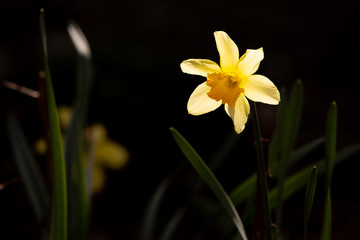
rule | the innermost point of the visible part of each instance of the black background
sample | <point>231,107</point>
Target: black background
<point>140,91</point>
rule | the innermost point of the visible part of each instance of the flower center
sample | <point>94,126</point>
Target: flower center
<point>224,87</point>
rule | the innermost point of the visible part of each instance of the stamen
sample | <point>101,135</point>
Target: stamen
<point>224,87</point>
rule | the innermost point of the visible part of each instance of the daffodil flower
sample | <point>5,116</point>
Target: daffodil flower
<point>231,83</point>
<point>104,152</point>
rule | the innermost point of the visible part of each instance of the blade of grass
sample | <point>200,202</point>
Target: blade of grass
<point>78,196</point>
<point>243,190</point>
<point>302,151</point>
<point>330,142</point>
<point>220,155</point>
<point>293,183</point>
<point>330,154</point>
<point>309,198</point>
<point>299,179</point>
<point>275,143</point>
<point>217,158</point>
<point>30,172</point>
<point>207,175</point>
<point>288,138</point>
<point>58,225</point>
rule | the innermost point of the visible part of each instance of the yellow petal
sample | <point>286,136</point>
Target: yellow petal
<point>111,154</point>
<point>97,132</point>
<point>228,51</point>
<point>239,114</point>
<point>199,67</point>
<point>249,62</point>
<point>226,107</point>
<point>200,103</point>
<point>260,89</point>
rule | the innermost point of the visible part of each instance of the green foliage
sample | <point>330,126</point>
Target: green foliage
<point>288,135</point>
<point>58,226</point>
<point>206,174</point>
<point>67,216</point>
<point>30,172</point>
<point>78,191</point>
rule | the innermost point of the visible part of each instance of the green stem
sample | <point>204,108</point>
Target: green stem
<point>262,173</point>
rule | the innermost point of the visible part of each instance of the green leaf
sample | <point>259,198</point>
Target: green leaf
<point>244,190</point>
<point>217,158</point>
<point>296,181</point>
<point>330,142</point>
<point>275,143</point>
<point>29,171</point>
<point>326,232</point>
<point>288,138</point>
<point>330,154</point>
<point>58,226</point>
<point>293,183</point>
<point>309,198</point>
<point>78,191</point>
<point>209,178</point>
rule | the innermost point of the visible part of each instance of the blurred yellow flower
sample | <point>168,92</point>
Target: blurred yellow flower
<point>104,152</point>
<point>231,83</point>
<point>64,113</point>
<point>107,154</point>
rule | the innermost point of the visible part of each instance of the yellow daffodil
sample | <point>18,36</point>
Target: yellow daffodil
<point>231,83</point>
<point>106,153</point>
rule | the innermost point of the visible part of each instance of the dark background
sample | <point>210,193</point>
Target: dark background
<point>139,92</point>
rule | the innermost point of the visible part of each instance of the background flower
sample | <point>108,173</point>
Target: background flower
<point>103,152</point>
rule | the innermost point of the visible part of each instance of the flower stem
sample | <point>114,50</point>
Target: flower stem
<point>263,191</point>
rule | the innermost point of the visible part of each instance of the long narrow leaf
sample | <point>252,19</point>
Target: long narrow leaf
<point>330,153</point>
<point>309,198</point>
<point>218,157</point>
<point>243,190</point>
<point>330,142</point>
<point>78,194</point>
<point>299,179</point>
<point>207,175</point>
<point>58,226</point>
<point>29,171</point>
<point>275,143</point>
<point>305,149</point>
<point>288,138</point>
<point>326,232</point>
<point>293,183</point>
